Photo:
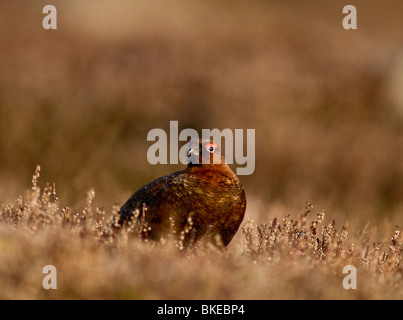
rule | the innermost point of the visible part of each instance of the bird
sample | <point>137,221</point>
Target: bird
<point>204,200</point>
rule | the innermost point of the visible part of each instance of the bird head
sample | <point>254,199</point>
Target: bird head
<point>204,153</point>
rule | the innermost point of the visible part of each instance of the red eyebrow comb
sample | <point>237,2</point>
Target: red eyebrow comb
<point>214,145</point>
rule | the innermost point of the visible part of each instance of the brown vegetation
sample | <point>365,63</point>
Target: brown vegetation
<point>325,102</point>
<point>299,258</point>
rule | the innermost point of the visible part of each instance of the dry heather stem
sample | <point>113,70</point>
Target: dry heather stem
<point>283,258</point>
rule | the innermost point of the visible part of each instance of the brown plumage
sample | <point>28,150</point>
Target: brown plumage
<point>204,199</point>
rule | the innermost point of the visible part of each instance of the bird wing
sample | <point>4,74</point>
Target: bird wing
<point>151,196</point>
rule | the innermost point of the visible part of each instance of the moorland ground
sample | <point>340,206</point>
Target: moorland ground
<point>325,102</point>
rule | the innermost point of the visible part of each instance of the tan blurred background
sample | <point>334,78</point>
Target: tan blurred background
<point>326,103</point>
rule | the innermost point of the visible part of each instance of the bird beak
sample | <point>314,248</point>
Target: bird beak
<point>193,154</point>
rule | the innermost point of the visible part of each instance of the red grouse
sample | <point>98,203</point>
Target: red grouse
<point>205,199</point>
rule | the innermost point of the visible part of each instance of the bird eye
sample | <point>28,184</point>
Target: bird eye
<point>211,147</point>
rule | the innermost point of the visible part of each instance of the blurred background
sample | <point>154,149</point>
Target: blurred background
<point>326,103</point>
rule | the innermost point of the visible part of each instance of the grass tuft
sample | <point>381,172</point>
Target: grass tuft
<point>298,258</point>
